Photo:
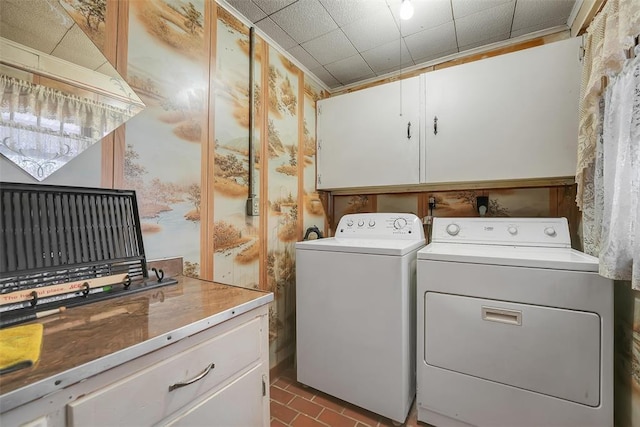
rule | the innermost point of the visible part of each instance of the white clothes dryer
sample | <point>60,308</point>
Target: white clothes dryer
<point>515,328</point>
<point>355,311</point>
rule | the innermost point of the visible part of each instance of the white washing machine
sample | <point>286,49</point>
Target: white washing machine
<point>355,312</point>
<point>515,328</point>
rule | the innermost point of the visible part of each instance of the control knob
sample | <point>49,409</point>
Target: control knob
<point>361,223</point>
<point>372,223</point>
<point>550,231</point>
<point>453,229</point>
<point>399,223</point>
<point>512,230</point>
<point>350,223</point>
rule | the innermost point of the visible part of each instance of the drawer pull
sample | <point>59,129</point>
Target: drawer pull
<point>193,380</point>
<point>501,315</point>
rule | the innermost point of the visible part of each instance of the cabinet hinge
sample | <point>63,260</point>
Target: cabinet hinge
<point>319,144</point>
<point>319,179</point>
<point>264,387</point>
<point>319,109</point>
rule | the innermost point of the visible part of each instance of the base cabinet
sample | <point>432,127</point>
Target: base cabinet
<point>219,376</point>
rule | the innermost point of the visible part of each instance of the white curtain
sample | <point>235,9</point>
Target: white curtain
<point>608,174</point>
<point>620,232</point>
<point>41,128</point>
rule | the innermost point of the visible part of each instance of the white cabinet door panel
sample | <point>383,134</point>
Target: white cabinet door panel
<point>370,137</point>
<point>513,116</point>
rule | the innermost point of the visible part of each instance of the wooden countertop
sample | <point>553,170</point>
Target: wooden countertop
<point>86,340</point>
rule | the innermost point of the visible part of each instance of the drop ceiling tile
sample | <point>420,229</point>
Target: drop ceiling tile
<point>107,69</point>
<point>462,8</point>
<point>345,12</point>
<point>304,20</point>
<point>350,69</point>
<point>534,15</point>
<point>73,48</point>
<point>304,57</point>
<point>33,24</point>
<point>248,9</point>
<point>373,31</point>
<point>324,76</point>
<point>485,25</point>
<point>432,43</point>
<point>271,6</point>
<point>427,14</point>
<point>330,47</point>
<point>276,33</point>
<point>386,57</point>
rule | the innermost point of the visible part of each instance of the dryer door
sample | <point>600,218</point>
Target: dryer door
<point>546,350</point>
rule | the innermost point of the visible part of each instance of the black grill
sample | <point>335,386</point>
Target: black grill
<point>54,235</point>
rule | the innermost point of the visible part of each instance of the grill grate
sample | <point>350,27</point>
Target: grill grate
<point>45,228</point>
<point>52,235</point>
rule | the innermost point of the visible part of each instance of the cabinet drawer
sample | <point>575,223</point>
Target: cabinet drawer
<point>239,404</point>
<point>145,397</point>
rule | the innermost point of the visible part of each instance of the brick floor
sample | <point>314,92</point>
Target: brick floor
<point>295,405</point>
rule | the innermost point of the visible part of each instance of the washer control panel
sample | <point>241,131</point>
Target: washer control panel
<point>380,226</point>
<point>544,232</point>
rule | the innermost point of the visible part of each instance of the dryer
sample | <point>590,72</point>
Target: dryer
<point>515,328</point>
<point>355,311</point>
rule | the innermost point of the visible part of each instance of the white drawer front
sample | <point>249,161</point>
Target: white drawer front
<point>237,405</point>
<point>546,350</point>
<point>144,397</point>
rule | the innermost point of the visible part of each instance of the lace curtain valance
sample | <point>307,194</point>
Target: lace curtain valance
<point>42,128</point>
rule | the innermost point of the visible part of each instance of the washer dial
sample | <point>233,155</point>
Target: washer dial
<point>399,223</point>
<point>453,229</point>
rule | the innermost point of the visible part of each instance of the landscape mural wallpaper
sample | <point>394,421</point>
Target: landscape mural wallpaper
<point>170,69</point>
<point>313,210</point>
<point>235,235</point>
<point>90,17</point>
<point>167,68</point>
<point>282,180</point>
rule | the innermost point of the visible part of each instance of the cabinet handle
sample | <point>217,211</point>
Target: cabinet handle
<point>435,125</point>
<point>193,380</point>
<point>409,130</point>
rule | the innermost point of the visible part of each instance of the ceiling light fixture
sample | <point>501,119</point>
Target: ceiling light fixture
<point>406,10</point>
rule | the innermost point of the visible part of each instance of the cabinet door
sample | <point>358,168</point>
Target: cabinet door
<point>513,116</point>
<point>370,137</point>
<point>238,404</point>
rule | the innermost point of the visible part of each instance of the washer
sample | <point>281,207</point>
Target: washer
<point>515,328</point>
<point>355,304</point>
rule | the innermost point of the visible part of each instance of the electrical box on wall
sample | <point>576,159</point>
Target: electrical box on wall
<point>253,206</point>
<point>482,204</point>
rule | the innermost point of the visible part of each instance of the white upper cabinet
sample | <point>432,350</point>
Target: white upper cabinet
<point>370,137</point>
<point>513,116</point>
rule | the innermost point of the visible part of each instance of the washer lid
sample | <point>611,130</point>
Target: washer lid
<point>363,246</point>
<point>517,256</point>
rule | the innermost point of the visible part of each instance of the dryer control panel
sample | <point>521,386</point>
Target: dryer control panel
<point>380,226</point>
<point>542,232</point>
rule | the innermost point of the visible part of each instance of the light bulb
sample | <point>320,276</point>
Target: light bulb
<point>406,10</point>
